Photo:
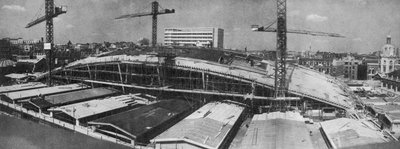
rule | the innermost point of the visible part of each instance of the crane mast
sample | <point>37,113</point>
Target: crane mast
<point>50,12</point>
<point>49,8</point>
<point>280,64</point>
<point>281,85</point>
<point>154,11</point>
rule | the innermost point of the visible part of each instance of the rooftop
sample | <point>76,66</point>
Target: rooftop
<point>346,133</point>
<point>302,81</point>
<point>207,127</point>
<point>20,87</point>
<point>79,95</point>
<point>44,91</point>
<point>140,121</point>
<point>392,110</point>
<point>277,130</point>
<point>93,107</point>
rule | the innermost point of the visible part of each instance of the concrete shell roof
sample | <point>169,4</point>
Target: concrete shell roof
<point>302,81</point>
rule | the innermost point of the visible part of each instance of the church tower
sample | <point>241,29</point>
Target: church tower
<point>389,57</point>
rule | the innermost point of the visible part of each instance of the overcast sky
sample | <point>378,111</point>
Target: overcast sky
<point>365,23</point>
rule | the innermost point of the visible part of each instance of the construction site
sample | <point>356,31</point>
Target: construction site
<point>170,97</point>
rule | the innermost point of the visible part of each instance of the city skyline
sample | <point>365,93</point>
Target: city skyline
<point>365,23</point>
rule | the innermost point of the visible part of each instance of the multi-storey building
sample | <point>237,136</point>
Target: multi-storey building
<point>203,37</point>
<point>5,49</point>
<point>351,67</point>
<point>325,62</point>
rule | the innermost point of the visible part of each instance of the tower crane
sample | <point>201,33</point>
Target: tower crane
<point>154,13</point>
<point>281,47</point>
<point>51,12</point>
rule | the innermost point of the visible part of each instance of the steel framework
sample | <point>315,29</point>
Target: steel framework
<point>154,11</point>
<point>280,64</point>
<point>49,6</point>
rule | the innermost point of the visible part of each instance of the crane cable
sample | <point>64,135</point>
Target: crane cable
<point>38,13</point>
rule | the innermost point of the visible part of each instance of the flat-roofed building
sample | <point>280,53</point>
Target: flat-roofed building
<point>351,133</point>
<point>139,125</point>
<point>21,87</point>
<point>202,36</point>
<point>211,126</point>
<point>83,112</point>
<point>27,94</point>
<point>47,101</point>
<point>277,130</point>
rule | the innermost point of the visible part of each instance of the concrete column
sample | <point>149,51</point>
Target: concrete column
<point>51,113</point>
<point>133,142</point>
<point>204,80</point>
<point>77,122</point>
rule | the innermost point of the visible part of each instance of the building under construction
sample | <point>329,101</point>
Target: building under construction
<point>234,78</point>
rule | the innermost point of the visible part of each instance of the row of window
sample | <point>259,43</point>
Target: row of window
<point>314,63</point>
<point>188,33</point>
<point>349,63</point>
<point>166,37</point>
<point>187,40</point>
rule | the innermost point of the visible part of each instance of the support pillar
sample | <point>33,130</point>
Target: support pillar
<point>90,74</point>
<point>204,80</point>
<point>132,142</point>
<point>76,122</point>
<point>120,77</point>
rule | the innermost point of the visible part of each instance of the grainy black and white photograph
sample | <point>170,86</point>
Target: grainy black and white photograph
<point>199,74</point>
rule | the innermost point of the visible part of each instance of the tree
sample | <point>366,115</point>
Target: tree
<point>144,41</point>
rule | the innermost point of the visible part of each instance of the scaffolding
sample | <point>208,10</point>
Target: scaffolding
<point>159,77</point>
